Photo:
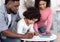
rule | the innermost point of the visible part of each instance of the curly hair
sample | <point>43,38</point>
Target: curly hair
<point>32,13</point>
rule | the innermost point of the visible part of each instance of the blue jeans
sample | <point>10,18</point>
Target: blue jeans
<point>10,40</point>
<point>0,37</point>
<point>42,30</point>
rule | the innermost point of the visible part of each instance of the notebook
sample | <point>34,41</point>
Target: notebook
<point>44,35</point>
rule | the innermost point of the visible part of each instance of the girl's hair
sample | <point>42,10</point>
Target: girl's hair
<point>37,3</point>
<point>6,1</point>
<point>32,13</point>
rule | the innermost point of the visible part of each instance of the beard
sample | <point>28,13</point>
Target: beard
<point>10,11</point>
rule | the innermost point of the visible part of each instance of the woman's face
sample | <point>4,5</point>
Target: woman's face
<point>42,4</point>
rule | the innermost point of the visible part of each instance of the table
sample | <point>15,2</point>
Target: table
<point>38,38</point>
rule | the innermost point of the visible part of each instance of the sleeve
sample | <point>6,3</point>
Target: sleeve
<point>36,27</point>
<point>3,25</point>
<point>49,22</point>
<point>19,28</point>
<point>31,28</point>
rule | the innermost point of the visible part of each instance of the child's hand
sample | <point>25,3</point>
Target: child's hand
<point>36,33</point>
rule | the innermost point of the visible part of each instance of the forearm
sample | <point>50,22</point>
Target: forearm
<point>49,23</point>
<point>48,27</point>
<point>12,34</point>
<point>36,27</point>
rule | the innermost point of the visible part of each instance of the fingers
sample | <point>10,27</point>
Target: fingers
<point>29,35</point>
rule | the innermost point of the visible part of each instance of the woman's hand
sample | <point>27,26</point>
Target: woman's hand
<point>48,32</point>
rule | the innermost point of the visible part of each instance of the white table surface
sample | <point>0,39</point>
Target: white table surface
<point>37,38</point>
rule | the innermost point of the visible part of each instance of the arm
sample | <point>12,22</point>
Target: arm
<point>4,28</point>
<point>49,23</point>
<point>3,25</point>
<point>8,33</point>
<point>31,28</point>
<point>36,27</point>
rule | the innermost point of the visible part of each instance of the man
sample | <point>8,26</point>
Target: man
<point>8,20</point>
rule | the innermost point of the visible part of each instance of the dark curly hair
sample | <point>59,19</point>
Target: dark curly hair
<point>32,13</point>
<point>37,3</point>
<point>6,1</point>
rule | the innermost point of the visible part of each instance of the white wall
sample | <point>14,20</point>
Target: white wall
<point>55,3</point>
<point>2,2</point>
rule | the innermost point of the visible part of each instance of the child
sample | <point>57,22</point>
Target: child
<point>25,26</point>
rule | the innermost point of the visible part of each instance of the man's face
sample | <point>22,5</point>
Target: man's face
<point>14,7</point>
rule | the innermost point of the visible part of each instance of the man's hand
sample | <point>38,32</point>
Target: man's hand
<point>29,35</point>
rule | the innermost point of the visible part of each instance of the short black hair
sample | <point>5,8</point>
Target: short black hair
<point>37,3</point>
<point>6,1</point>
<point>32,13</point>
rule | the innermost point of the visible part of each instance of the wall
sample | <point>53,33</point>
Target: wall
<point>2,2</point>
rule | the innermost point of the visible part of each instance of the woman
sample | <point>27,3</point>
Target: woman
<point>44,25</point>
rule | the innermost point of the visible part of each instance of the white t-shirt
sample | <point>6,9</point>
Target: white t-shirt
<point>9,18</point>
<point>22,28</point>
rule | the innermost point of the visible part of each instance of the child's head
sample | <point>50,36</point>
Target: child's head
<point>42,4</point>
<point>32,15</point>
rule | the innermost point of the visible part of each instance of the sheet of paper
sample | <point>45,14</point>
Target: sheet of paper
<point>44,36</point>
